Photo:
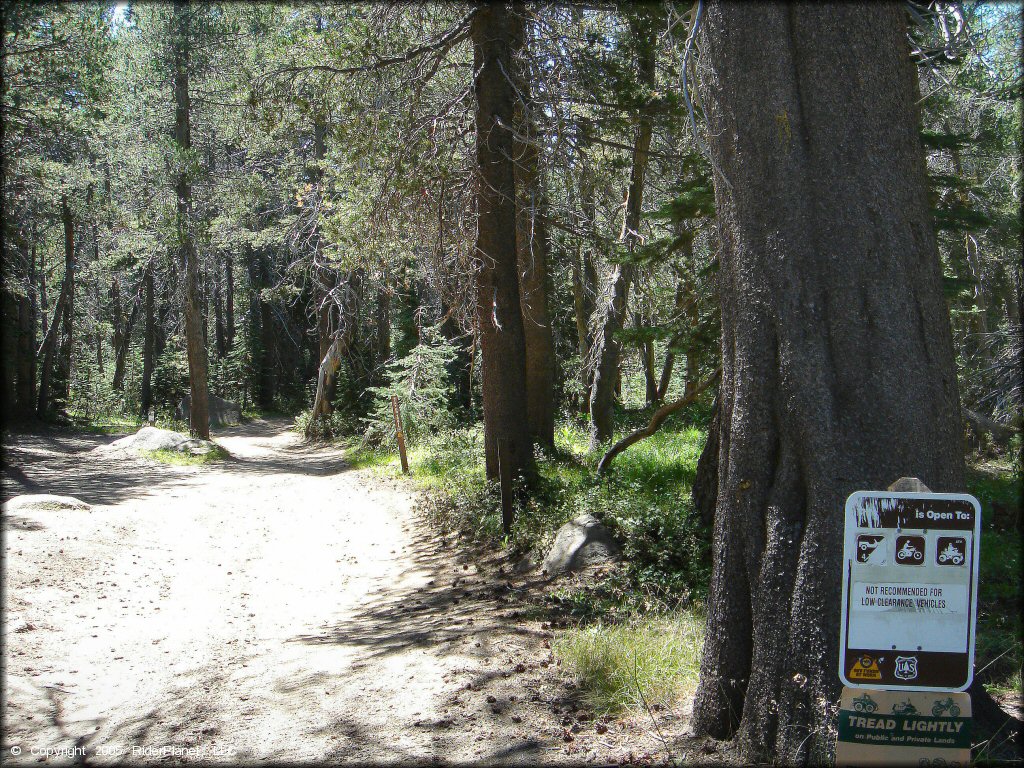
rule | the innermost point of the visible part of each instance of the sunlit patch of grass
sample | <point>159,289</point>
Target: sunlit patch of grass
<point>186,459</point>
<point>998,655</point>
<point>649,662</point>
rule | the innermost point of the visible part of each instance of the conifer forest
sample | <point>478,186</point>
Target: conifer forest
<point>484,382</point>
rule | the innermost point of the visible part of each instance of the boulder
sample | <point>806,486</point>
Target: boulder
<point>156,439</point>
<point>222,412</point>
<point>579,543</point>
<point>43,501</point>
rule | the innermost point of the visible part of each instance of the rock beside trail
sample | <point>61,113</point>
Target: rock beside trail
<point>44,501</point>
<point>156,439</point>
<point>222,412</point>
<point>579,543</point>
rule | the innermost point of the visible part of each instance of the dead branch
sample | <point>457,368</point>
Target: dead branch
<point>656,421</point>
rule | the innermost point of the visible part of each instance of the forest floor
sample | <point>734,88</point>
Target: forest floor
<point>280,606</point>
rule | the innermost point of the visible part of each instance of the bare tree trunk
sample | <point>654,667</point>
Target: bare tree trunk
<point>645,349</point>
<point>382,322</point>
<point>229,302</point>
<point>123,341</point>
<point>613,312</point>
<point>149,342</point>
<point>187,255</point>
<point>838,370</point>
<point>220,337</point>
<point>502,346</point>
<point>46,406</point>
<point>532,248</point>
<point>25,390</point>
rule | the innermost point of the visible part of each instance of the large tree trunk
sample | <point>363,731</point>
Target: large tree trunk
<point>123,340</point>
<point>499,313</point>
<point>606,370</point>
<point>187,255</point>
<point>838,370</point>
<point>532,249</point>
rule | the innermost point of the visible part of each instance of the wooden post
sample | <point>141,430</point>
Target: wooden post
<point>908,485</point>
<point>399,434</point>
<point>506,450</point>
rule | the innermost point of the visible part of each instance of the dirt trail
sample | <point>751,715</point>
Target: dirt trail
<point>280,606</point>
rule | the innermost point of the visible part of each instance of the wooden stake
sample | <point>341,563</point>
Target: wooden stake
<point>506,450</point>
<point>399,434</point>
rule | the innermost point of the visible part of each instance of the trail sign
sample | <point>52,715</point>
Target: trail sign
<point>910,581</point>
<point>901,728</point>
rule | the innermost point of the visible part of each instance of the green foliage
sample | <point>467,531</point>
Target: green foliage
<point>999,654</point>
<point>649,662</point>
<point>420,381</point>
<point>325,427</point>
<point>645,502</point>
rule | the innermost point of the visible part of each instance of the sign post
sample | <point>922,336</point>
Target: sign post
<point>910,584</point>
<point>399,434</point>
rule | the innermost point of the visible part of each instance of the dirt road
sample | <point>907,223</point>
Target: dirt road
<point>280,606</point>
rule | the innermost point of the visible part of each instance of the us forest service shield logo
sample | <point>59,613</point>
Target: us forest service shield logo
<point>906,667</point>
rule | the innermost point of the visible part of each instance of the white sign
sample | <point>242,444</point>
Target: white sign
<point>910,583</point>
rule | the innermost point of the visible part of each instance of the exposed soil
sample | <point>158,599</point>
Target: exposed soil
<point>278,606</point>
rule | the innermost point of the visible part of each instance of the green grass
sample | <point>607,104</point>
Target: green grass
<point>646,501</point>
<point>650,662</point>
<point>998,654</point>
<point>184,459</point>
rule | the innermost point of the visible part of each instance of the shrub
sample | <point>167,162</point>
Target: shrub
<point>420,381</point>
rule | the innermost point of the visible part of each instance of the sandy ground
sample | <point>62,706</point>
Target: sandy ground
<point>280,606</point>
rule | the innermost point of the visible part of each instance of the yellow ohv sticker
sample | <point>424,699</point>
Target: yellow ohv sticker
<point>865,668</point>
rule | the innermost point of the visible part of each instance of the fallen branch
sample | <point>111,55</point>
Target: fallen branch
<point>656,421</point>
<point>1001,433</point>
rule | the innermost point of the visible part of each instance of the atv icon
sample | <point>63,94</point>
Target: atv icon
<point>951,550</point>
<point>941,707</point>
<point>864,704</point>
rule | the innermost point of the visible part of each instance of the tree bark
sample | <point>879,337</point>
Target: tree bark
<point>645,349</point>
<point>261,330</point>
<point>608,352</point>
<point>187,255</point>
<point>123,337</point>
<point>499,312</point>
<point>219,334</point>
<point>46,406</point>
<point>838,369</point>
<point>149,342</point>
<point>25,388</point>
<point>229,303</point>
<point>532,248</point>
<point>584,282</point>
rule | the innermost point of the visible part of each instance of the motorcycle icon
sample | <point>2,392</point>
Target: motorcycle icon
<point>864,704</point>
<point>948,705</point>
<point>910,552</point>
<point>906,708</point>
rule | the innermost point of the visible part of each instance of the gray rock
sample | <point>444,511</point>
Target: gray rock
<point>43,501</point>
<point>579,543</point>
<point>156,439</point>
<point>222,412</point>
